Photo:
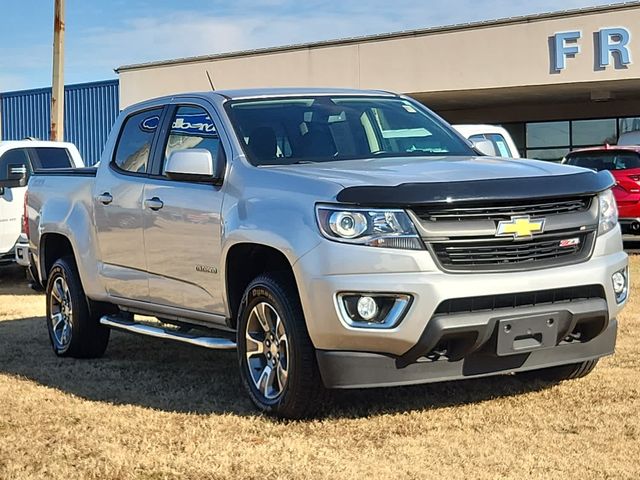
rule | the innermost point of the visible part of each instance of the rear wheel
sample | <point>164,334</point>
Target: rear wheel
<point>562,372</point>
<point>277,359</point>
<point>74,328</point>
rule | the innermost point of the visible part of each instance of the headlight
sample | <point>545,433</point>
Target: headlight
<point>366,226</point>
<point>608,212</point>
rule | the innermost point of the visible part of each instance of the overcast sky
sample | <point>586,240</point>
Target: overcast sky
<point>102,35</point>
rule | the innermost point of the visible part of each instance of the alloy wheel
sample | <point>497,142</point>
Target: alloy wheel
<point>267,350</point>
<point>61,312</point>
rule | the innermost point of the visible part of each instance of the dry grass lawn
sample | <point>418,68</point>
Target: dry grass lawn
<point>151,409</point>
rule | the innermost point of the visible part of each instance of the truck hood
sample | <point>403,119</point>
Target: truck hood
<point>396,171</point>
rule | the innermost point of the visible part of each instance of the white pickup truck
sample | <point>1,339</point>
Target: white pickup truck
<point>18,161</point>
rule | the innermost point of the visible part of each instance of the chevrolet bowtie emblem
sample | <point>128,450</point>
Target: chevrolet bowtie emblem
<point>520,227</point>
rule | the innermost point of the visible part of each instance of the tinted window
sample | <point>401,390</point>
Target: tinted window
<point>631,124</point>
<point>547,134</point>
<point>593,132</point>
<point>50,157</point>
<point>134,145</point>
<point>607,160</point>
<point>192,127</point>
<point>320,129</point>
<point>17,156</point>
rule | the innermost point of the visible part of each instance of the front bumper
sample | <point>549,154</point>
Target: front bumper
<point>396,355</point>
<point>365,370</point>
<point>22,251</point>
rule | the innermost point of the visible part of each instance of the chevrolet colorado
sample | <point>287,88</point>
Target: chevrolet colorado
<point>336,238</point>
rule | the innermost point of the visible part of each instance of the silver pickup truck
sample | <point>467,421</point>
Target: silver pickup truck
<point>336,238</point>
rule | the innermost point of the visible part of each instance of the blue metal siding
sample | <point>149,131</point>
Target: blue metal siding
<point>90,112</point>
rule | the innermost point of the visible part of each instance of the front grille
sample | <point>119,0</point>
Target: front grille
<point>521,299</point>
<point>504,211</point>
<point>556,247</point>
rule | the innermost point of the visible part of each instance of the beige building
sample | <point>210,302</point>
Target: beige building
<point>557,81</point>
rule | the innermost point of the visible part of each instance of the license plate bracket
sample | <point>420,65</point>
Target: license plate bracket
<point>527,334</point>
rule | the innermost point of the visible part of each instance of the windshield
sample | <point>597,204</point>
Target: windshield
<point>326,129</point>
<point>605,160</point>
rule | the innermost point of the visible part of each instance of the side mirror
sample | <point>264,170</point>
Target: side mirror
<point>485,147</point>
<point>195,165</point>
<point>16,176</point>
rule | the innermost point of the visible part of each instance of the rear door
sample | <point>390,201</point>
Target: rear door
<point>11,201</point>
<point>182,237</point>
<point>118,207</point>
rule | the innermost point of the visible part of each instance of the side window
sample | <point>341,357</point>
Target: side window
<point>17,156</point>
<point>501,144</point>
<point>498,141</point>
<point>134,146</point>
<point>50,157</point>
<point>192,127</point>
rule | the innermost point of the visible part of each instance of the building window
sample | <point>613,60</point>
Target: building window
<point>551,141</point>
<point>548,154</point>
<point>547,134</point>
<point>590,132</point>
<point>626,125</point>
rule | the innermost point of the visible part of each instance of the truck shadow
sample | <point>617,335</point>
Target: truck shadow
<point>13,281</point>
<point>177,378</point>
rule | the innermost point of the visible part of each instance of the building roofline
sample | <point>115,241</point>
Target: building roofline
<point>74,86</point>
<point>387,36</point>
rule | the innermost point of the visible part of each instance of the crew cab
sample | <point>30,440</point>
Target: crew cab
<point>18,161</point>
<point>624,164</point>
<point>336,238</point>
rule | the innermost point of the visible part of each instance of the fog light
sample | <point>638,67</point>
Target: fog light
<point>620,285</point>
<point>367,308</point>
<point>372,310</point>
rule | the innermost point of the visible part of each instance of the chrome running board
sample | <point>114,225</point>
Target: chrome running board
<point>212,343</point>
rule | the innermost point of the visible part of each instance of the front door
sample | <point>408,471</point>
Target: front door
<point>118,196</point>
<point>182,221</point>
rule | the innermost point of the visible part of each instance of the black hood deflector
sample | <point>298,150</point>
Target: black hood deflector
<point>484,191</point>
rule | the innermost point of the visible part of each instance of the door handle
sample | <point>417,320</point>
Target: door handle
<point>153,203</point>
<point>105,198</point>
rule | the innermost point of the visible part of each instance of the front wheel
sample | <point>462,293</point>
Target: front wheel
<point>562,372</point>
<point>74,328</point>
<point>277,359</point>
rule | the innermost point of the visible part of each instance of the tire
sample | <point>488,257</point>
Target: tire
<point>73,320</point>
<point>562,372</point>
<point>292,388</point>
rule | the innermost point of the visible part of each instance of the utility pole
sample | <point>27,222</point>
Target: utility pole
<point>57,89</point>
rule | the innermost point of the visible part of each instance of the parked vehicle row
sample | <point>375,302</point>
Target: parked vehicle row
<point>336,238</point>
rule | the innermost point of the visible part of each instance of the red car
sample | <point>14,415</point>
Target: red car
<point>624,165</point>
